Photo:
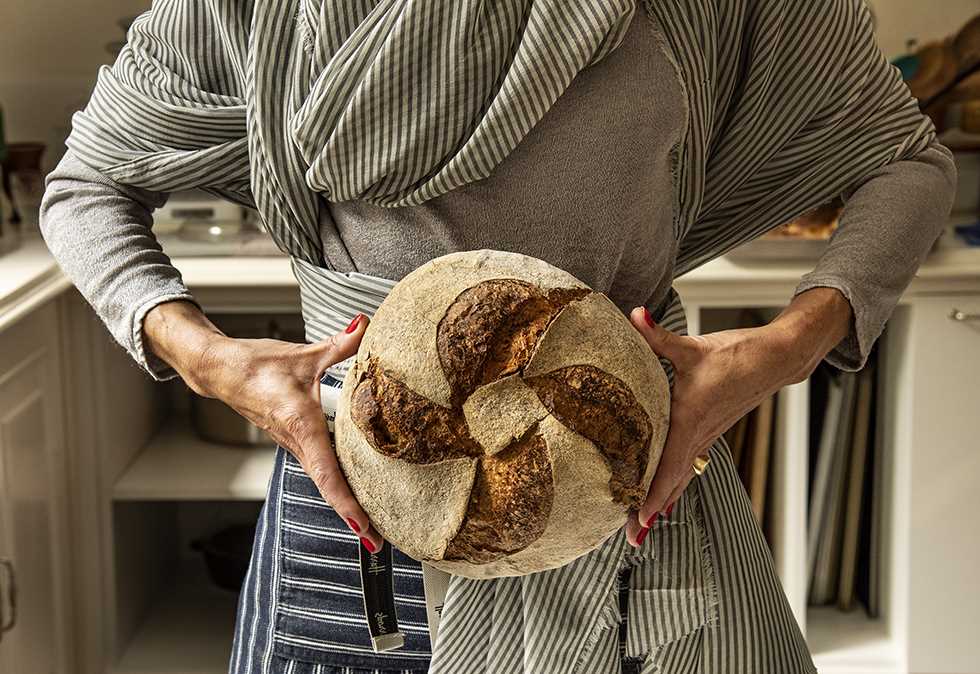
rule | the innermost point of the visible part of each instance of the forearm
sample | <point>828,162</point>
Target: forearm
<point>100,233</point>
<point>809,328</point>
<point>180,335</point>
<point>887,228</point>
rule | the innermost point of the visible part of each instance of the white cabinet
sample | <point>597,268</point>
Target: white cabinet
<point>32,500</point>
<point>930,540</point>
<point>942,420</point>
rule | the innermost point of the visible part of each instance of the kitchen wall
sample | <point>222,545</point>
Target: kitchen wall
<point>50,51</point>
<point>923,20</point>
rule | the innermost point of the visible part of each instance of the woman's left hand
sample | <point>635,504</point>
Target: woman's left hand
<point>719,377</point>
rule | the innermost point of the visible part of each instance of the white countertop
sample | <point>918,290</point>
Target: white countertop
<point>950,260</point>
<point>238,272</point>
<point>952,267</point>
<point>29,276</point>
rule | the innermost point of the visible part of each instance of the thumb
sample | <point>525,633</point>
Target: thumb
<point>341,346</point>
<point>663,342</point>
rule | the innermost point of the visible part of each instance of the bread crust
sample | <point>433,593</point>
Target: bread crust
<point>421,507</point>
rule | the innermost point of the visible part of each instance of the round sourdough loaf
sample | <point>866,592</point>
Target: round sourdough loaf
<point>500,417</point>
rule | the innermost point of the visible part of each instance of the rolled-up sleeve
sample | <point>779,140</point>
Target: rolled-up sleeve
<point>889,223</point>
<point>100,233</point>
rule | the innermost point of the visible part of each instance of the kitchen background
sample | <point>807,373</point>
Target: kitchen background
<point>865,484</point>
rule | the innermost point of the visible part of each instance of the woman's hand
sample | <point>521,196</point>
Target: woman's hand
<point>720,377</point>
<point>274,384</point>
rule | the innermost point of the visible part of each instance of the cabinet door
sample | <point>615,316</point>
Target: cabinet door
<point>32,506</point>
<point>944,539</point>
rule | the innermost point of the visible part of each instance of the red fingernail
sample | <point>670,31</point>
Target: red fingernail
<point>648,318</point>
<point>353,324</point>
<point>653,519</point>
<point>642,536</point>
<point>366,542</point>
<point>670,509</point>
<point>353,525</point>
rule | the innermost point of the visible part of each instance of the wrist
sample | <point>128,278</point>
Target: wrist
<point>179,334</point>
<point>814,322</point>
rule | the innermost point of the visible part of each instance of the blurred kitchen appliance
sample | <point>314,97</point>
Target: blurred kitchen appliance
<point>23,183</point>
<point>197,207</point>
<point>197,224</point>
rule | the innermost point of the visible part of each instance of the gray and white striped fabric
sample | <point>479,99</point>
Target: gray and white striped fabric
<point>331,299</point>
<point>391,101</point>
<point>282,103</point>
<point>279,103</point>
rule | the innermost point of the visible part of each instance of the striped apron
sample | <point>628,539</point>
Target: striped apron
<point>700,595</point>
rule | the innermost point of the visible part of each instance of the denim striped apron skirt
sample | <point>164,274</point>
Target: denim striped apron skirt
<point>699,596</point>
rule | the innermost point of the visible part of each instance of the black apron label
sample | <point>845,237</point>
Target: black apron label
<point>377,584</point>
<point>630,664</point>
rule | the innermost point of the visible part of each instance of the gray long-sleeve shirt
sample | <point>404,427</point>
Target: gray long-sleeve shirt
<point>591,196</point>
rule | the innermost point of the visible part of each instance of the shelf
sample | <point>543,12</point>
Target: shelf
<point>850,643</point>
<point>188,631</point>
<point>176,465</point>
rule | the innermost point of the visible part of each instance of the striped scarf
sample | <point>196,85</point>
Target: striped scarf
<point>276,104</point>
<point>391,101</point>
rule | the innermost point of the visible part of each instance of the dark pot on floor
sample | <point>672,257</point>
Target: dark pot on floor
<point>227,554</point>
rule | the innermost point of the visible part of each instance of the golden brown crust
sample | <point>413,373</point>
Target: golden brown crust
<point>594,331</point>
<point>509,505</point>
<point>404,425</point>
<point>491,330</point>
<point>600,407</point>
<point>542,474</point>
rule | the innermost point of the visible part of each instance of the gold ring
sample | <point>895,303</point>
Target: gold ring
<point>701,465</point>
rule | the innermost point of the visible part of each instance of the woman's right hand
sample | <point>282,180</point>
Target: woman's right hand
<point>274,384</point>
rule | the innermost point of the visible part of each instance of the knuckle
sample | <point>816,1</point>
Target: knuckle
<point>324,478</point>
<point>683,470</point>
<point>697,343</point>
<point>656,498</point>
<point>331,343</point>
<point>287,419</point>
<point>666,483</point>
<point>317,472</point>
<point>326,474</point>
<point>331,351</point>
<point>292,421</point>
